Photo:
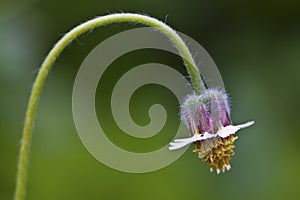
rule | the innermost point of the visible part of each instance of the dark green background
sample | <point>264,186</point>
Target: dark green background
<point>256,47</point>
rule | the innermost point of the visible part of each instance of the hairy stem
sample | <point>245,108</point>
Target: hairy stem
<point>197,84</point>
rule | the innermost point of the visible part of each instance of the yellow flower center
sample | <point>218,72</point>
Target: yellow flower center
<point>216,151</point>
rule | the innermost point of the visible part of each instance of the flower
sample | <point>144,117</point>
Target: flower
<point>207,116</point>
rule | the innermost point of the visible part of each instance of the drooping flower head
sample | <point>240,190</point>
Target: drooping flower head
<point>208,118</point>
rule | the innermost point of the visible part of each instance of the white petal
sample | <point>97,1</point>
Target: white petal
<point>231,129</point>
<point>227,130</point>
<point>245,125</point>
<point>179,143</point>
<point>194,138</point>
<point>198,137</point>
<point>177,146</point>
<point>189,140</point>
<point>207,135</point>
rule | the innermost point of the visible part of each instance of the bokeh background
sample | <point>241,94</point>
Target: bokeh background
<point>255,45</point>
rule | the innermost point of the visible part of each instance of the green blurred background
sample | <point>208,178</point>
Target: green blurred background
<point>255,45</point>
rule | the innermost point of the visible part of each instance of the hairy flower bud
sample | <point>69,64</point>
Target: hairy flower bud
<point>208,118</point>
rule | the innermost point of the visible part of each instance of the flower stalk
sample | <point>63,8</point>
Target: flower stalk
<point>198,86</point>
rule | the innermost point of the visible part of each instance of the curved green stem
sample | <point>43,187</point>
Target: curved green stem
<point>198,86</point>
